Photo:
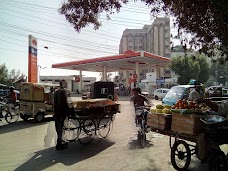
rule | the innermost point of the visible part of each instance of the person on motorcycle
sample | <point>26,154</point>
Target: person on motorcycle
<point>12,97</point>
<point>139,100</point>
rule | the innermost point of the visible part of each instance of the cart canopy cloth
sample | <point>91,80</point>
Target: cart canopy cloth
<point>79,104</point>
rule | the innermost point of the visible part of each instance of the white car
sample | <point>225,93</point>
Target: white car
<point>160,93</point>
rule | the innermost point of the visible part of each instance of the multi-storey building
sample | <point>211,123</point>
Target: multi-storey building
<point>134,39</point>
<point>153,38</point>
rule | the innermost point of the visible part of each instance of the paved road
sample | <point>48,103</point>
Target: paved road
<point>22,148</point>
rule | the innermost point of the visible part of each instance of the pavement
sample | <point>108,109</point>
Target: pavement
<point>26,146</point>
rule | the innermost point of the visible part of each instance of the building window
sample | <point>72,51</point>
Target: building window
<point>130,40</point>
<point>130,47</point>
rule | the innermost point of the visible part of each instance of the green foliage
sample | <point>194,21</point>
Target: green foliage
<point>188,67</point>
<point>3,74</point>
<point>6,76</point>
<point>219,72</point>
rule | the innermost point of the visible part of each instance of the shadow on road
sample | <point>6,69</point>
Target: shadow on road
<point>73,154</point>
<point>134,144</point>
<point>22,125</point>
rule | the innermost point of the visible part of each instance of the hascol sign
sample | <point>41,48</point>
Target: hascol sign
<point>32,60</point>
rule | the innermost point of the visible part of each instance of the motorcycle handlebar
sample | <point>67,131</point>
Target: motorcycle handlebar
<point>143,107</point>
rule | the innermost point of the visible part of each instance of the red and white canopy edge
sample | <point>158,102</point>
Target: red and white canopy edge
<point>128,61</point>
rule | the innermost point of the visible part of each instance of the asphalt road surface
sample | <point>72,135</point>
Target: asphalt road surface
<point>23,147</point>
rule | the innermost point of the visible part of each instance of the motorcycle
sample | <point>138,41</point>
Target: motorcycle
<point>140,120</point>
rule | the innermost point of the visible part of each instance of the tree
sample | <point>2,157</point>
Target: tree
<point>3,74</point>
<point>8,77</point>
<point>206,20</point>
<point>188,67</point>
<point>13,75</point>
<point>219,72</point>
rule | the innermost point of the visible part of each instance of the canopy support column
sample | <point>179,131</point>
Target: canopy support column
<point>127,78</point>
<point>104,73</point>
<point>80,82</point>
<point>137,71</point>
<point>157,70</point>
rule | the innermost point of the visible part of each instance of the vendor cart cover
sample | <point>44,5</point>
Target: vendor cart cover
<point>31,92</point>
<point>78,104</point>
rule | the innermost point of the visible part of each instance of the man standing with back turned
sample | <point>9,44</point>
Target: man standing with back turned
<point>61,110</point>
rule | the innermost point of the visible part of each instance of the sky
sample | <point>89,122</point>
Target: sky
<point>20,18</point>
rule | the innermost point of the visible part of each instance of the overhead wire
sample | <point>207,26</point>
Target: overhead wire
<point>56,10</point>
<point>45,34</point>
<point>43,45</point>
<point>112,19</point>
<point>65,55</point>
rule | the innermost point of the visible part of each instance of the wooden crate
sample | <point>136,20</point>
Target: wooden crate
<point>159,121</point>
<point>186,123</point>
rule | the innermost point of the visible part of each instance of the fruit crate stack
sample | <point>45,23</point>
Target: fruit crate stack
<point>186,117</point>
<point>160,118</point>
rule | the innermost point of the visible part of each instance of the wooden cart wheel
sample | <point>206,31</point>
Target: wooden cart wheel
<point>105,127</point>
<point>86,131</point>
<point>201,147</point>
<point>180,155</point>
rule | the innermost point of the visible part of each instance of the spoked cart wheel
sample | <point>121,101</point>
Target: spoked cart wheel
<point>180,155</point>
<point>70,130</point>
<point>105,127</point>
<point>87,131</point>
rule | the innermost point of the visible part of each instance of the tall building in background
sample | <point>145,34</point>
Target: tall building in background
<point>134,39</point>
<point>153,38</point>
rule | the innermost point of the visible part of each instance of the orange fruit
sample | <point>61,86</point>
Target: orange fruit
<point>185,105</point>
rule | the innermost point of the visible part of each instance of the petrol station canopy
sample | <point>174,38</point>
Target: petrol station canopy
<point>126,61</point>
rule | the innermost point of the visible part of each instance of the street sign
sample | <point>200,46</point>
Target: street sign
<point>77,78</point>
<point>160,81</point>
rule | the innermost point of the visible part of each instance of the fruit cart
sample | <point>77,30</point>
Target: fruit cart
<point>88,119</point>
<point>186,132</point>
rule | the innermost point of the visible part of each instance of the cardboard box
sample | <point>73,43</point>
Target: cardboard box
<point>159,121</point>
<point>186,123</point>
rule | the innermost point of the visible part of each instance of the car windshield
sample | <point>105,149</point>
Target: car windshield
<point>175,92</point>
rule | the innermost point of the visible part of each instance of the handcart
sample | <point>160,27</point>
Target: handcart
<point>90,118</point>
<point>189,137</point>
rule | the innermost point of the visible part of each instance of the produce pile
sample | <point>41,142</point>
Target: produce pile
<point>182,106</point>
<point>187,104</point>
<point>161,109</point>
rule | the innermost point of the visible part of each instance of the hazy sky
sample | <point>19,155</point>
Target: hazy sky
<point>20,18</point>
